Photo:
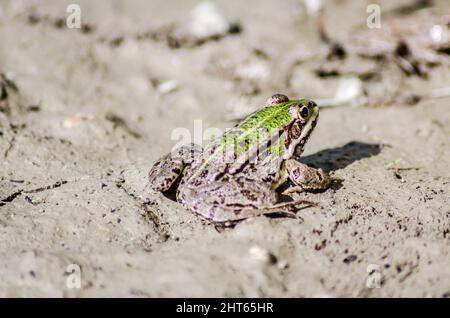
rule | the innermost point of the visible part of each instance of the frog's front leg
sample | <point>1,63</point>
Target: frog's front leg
<point>168,168</point>
<point>306,178</point>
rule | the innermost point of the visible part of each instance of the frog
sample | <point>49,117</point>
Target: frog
<point>239,174</point>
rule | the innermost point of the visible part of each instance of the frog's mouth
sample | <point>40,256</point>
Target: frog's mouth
<point>296,145</point>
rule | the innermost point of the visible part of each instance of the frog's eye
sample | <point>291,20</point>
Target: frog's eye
<point>304,112</point>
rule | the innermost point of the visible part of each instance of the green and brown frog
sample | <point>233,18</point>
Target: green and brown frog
<point>237,175</point>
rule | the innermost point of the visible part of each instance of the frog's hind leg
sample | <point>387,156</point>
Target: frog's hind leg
<point>236,199</point>
<point>287,209</point>
<point>168,168</point>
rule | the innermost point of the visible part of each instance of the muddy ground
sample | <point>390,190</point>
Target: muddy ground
<point>85,112</point>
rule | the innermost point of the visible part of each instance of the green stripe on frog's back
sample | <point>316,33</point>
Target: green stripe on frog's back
<point>269,117</point>
<point>252,131</point>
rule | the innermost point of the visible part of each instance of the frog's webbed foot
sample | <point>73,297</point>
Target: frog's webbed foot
<point>306,178</point>
<point>168,168</point>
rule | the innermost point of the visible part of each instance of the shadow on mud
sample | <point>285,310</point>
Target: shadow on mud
<point>337,158</point>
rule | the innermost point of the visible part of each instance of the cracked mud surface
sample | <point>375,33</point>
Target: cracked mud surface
<point>86,120</point>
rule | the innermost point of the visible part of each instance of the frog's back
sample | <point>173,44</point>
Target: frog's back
<point>269,117</point>
<point>259,130</point>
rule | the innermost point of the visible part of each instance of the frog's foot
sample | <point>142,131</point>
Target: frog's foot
<point>167,169</point>
<point>306,178</point>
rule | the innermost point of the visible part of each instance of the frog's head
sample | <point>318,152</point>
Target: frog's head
<point>292,120</point>
<point>304,114</point>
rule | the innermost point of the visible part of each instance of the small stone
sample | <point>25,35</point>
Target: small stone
<point>206,21</point>
<point>350,258</point>
<point>76,120</point>
<point>262,255</point>
<point>167,87</point>
<point>282,264</point>
<point>436,33</point>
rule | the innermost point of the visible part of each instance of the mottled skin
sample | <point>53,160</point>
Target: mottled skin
<point>236,176</point>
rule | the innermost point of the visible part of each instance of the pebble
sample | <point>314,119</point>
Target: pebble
<point>168,87</point>
<point>206,21</point>
<point>350,258</point>
<point>262,255</point>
